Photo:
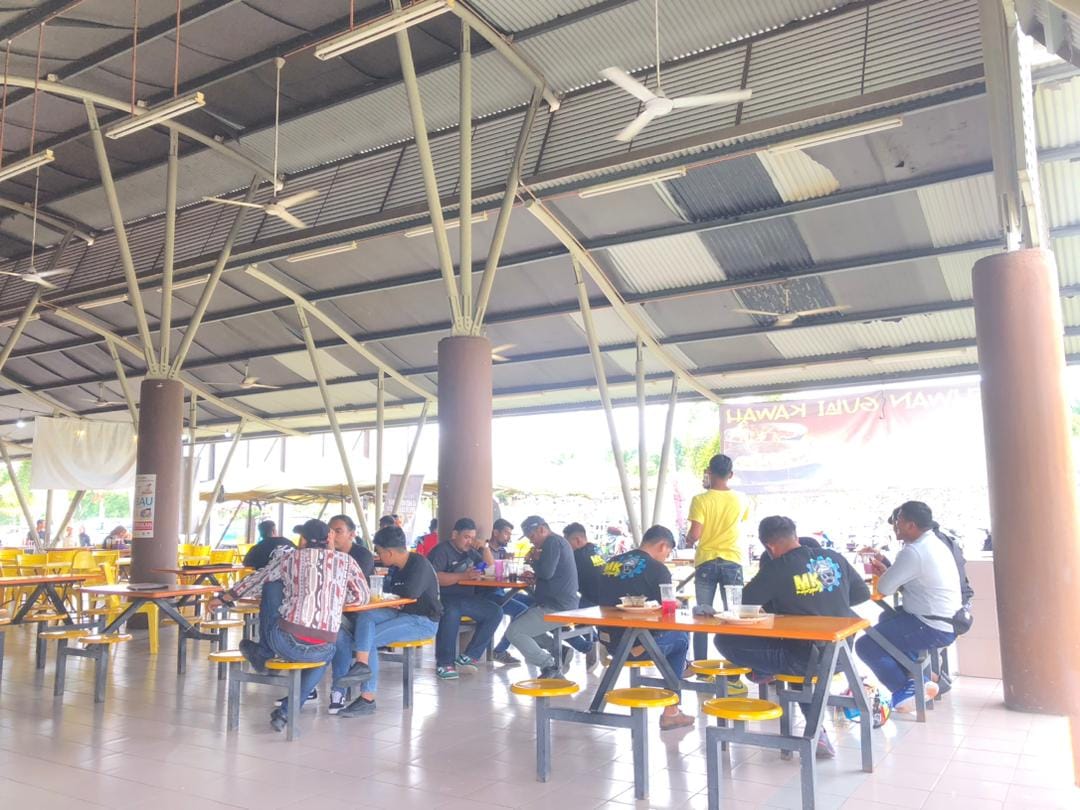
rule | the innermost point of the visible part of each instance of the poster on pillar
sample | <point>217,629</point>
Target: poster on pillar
<point>410,501</point>
<point>145,494</point>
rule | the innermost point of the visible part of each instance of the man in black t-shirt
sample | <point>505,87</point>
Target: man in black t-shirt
<point>343,536</point>
<point>799,581</point>
<point>258,556</point>
<point>589,564</point>
<point>454,559</point>
<point>641,572</point>
<point>410,576</point>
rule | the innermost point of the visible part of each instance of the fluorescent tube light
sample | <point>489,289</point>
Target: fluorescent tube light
<point>633,182</point>
<point>27,164</point>
<point>120,299</point>
<point>832,136</point>
<point>907,357</point>
<point>382,27</point>
<point>449,224</point>
<point>319,253</point>
<point>158,115</point>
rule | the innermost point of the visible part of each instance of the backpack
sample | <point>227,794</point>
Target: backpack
<point>962,620</point>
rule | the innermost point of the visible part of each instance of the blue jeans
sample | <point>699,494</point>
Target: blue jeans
<point>674,645</point>
<point>910,635</point>
<point>514,607</point>
<point>481,610</point>
<point>275,642</point>
<point>765,656</point>
<point>374,629</point>
<point>708,577</point>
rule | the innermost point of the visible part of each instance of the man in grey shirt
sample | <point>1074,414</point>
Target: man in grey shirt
<point>927,576</point>
<point>556,588</point>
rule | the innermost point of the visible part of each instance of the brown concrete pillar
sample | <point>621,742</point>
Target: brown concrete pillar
<point>161,422</point>
<point>465,487</point>
<point>1033,509</point>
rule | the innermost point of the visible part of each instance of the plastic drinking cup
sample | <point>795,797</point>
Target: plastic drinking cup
<point>734,597</point>
<point>668,603</point>
<point>500,569</point>
<point>376,585</point>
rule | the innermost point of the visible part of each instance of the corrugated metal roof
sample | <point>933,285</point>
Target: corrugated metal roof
<point>513,15</point>
<point>840,338</point>
<point>678,261</point>
<point>1061,191</point>
<point>724,188</point>
<point>757,247</point>
<point>797,176</point>
<point>1067,254</point>
<point>961,211</point>
<point>1057,123</point>
<point>956,269</point>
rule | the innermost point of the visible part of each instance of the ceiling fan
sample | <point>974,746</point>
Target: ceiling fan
<point>248,381</point>
<point>277,207</point>
<point>497,352</point>
<point>657,104</point>
<point>39,277</point>
<point>101,401</point>
<point>789,316</point>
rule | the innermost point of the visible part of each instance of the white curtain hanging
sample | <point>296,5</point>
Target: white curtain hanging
<point>82,454</point>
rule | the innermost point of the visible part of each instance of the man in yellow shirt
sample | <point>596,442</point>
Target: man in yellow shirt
<point>716,518</point>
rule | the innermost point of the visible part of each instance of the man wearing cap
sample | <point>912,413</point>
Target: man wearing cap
<point>410,576</point>
<point>303,593</point>
<point>259,554</point>
<point>454,560</point>
<point>556,588</point>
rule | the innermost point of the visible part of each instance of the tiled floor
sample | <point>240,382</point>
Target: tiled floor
<point>160,743</point>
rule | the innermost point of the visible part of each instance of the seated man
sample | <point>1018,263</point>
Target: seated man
<point>927,575</point>
<point>455,559</point>
<point>343,535</point>
<point>303,593</point>
<point>641,572</point>
<point>555,588</point>
<point>258,555</point>
<point>590,565</point>
<point>410,576</point>
<point>799,581</point>
<point>501,532</point>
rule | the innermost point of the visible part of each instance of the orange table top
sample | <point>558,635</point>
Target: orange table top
<point>164,593</point>
<point>484,582</point>
<point>55,579</point>
<point>803,628</point>
<point>393,602</point>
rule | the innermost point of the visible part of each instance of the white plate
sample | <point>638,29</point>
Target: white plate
<point>648,608</point>
<point>731,618</point>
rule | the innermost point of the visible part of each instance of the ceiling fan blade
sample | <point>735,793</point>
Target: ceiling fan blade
<point>223,201</point>
<point>621,78</point>
<point>297,199</point>
<point>786,319</point>
<point>761,312</point>
<point>293,220</point>
<point>260,385</point>
<point>9,273</point>
<point>502,348</point>
<point>48,285</point>
<point>730,97</point>
<point>638,124</point>
<point>47,273</point>
<point>498,358</point>
<point>807,313</point>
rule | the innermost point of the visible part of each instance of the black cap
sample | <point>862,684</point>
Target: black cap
<point>531,523</point>
<point>314,531</point>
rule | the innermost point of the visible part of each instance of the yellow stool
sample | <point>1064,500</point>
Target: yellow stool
<point>96,646</point>
<point>742,709</point>
<point>739,712</point>
<point>719,671</point>
<point>43,619</point>
<point>635,668</point>
<point>250,616</point>
<point>217,629</point>
<point>639,700</point>
<point>405,654</point>
<point>543,689</point>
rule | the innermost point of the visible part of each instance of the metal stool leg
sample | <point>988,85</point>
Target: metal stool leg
<point>232,711</point>
<point>543,740</point>
<point>61,667</point>
<point>721,686</point>
<point>639,741</point>
<point>222,644</point>
<point>3,635</point>
<point>41,648</point>
<point>294,704</point>
<point>101,672</point>
<point>181,651</point>
<point>406,677</point>
<point>785,719</point>
<point>713,764</point>
<point>807,772</point>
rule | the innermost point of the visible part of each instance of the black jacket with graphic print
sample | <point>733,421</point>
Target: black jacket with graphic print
<point>807,582</point>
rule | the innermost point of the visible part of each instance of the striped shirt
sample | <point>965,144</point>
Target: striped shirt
<point>317,584</point>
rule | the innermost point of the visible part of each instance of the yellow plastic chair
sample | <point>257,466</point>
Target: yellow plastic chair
<point>109,607</point>
<point>32,564</point>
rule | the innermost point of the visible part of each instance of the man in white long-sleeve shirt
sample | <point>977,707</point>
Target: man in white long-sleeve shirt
<point>927,576</point>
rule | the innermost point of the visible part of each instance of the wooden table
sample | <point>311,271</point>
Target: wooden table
<point>168,598</point>
<point>486,582</point>
<point>374,604</point>
<point>44,586</point>
<point>831,652</point>
<point>204,574</point>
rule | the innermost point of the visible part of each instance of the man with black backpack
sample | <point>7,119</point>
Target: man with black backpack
<point>929,571</point>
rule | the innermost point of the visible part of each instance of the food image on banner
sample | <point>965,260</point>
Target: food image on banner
<point>145,493</point>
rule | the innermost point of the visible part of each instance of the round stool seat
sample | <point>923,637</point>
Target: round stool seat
<point>716,666</point>
<point>642,697</point>
<point>401,645</point>
<point>65,633</point>
<point>638,664</point>
<point>244,609</point>
<point>742,709</point>
<point>226,657</point>
<point>44,617</point>
<point>545,687</point>
<point>220,624</point>
<point>106,638</point>
<point>279,665</point>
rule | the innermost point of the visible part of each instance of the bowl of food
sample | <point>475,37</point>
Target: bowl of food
<point>750,611</point>
<point>633,601</point>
